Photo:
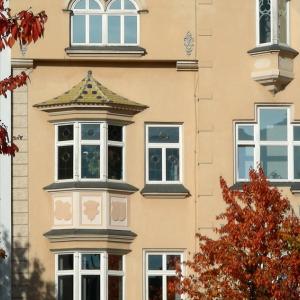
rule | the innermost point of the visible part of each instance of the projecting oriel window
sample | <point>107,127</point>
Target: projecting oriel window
<point>89,276</point>
<point>97,23</point>
<point>273,141</point>
<point>272,22</point>
<point>89,151</point>
<point>163,153</point>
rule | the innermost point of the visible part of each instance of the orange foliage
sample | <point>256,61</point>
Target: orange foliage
<point>24,27</point>
<point>252,257</point>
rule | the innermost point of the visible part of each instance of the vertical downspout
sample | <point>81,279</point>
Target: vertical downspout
<point>5,183</point>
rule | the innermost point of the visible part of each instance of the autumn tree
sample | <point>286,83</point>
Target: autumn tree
<point>253,256</point>
<point>24,27</point>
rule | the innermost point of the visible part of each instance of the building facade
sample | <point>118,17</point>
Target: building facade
<point>133,111</point>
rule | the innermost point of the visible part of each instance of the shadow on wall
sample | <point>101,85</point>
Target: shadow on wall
<point>27,276</point>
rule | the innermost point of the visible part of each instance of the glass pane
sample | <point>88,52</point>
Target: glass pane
<point>245,161</point>
<point>274,161</point>
<point>273,124</point>
<point>93,4</point>
<point>297,162</point>
<point>115,287</point>
<point>245,132</point>
<point>90,261</point>
<point>90,287</point>
<point>171,288</point>
<point>95,29</point>
<point>115,262</point>
<point>155,288</point>
<point>114,29</point>
<point>80,5</point>
<point>155,262</point>
<point>65,133</point>
<point>65,287</point>
<point>163,135</point>
<point>172,260</point>
<point>65,262</point>
<point>130,32</point>
<point>128,5</point>
<point>115,162</point>
<point>90,132</point>
<point>155,164</point>
<point>172,164</point>
<point>116,4</point>
<point>115,133</point>
<point>264,21</point>
<point>65,162</point>
<point>90,161</point>
<point>79,29</point>
<point>282,21</point>
<point>296,133</point>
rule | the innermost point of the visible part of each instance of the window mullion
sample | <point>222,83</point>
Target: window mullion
<point>104,276</point>
<point>104,162</point>
<point>164,162</point>
<point>77,151</point>
<point>274,21</point>
<point>77,277</point>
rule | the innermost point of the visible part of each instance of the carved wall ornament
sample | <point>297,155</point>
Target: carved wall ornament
<point>118,211</point>
<point>91,209</point>
<point>62,211</point>
<point>189,43</point>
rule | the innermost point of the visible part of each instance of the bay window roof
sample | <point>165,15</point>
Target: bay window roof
<point>89,92</point>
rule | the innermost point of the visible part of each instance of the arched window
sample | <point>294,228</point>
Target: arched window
<point>116,24</point>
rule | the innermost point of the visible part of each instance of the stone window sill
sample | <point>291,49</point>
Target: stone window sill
<point>294,186</point>
<point>274,48</point>
<point>91,185</point>
<point>108,51</point>
<point>177,191</point>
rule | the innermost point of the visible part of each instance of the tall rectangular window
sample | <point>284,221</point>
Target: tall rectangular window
<point>272,22</point>
<point>163,153</point>
<point>161,275</point>
<point>273,142</point>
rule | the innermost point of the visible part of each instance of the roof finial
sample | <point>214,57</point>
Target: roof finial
<point>89,74</point>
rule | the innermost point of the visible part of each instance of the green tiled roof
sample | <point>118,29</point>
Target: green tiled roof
<point>90,92</point>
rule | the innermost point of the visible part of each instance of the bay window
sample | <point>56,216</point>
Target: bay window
<point>272,22</point>
<point>163,153</point>
<point>89,151</point>
<point>273,141</point>
<point>89,276</point>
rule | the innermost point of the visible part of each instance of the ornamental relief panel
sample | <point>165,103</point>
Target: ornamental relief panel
<point>118,211</point>
<point>63,211</point>
<point>91,210</point>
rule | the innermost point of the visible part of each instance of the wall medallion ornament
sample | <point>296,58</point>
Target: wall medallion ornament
<point>189,43</point>
<point>118,211</point>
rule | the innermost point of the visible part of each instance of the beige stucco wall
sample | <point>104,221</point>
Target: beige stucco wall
<point>207,102</point>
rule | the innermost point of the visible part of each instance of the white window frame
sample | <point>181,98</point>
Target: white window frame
<point>256,143</point>
<point>164,146</point>
<point>77,272</point>
<point>77,142</point>
<point>105,12</point>
<point>274,24</point>
<point>163,273</point>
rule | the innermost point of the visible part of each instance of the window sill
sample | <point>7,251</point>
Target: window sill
<point>294,186</point>
<point>171,191</point>
<point>91,185</point>
<point>110,235</point>
<point>116,51</point>
<point>274,48</point>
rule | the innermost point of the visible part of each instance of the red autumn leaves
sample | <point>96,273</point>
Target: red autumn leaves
<point>24,27</point>
<point>255,254</point>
